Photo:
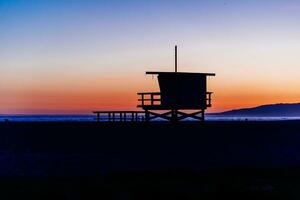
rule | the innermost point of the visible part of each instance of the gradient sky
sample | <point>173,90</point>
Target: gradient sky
<point>71,56</point>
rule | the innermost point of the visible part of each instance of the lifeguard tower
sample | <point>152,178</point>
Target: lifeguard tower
<point>182,95</point>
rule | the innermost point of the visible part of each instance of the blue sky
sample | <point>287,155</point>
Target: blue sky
<point>93,45</point>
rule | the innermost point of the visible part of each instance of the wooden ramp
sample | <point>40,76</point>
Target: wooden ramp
<point>120,116</point>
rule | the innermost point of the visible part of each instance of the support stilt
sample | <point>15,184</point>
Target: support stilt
<point>147,116</point>
<point>174,116</point>
<point>98,117</point>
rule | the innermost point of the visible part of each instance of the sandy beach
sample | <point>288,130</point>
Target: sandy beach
<point>232,158</point>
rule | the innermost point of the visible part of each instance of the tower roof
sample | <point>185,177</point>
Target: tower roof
<point>183,73</point>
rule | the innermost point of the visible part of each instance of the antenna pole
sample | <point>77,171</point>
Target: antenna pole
<point>175,58</point>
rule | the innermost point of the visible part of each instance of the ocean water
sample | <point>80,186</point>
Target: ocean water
<point>91,118</point>
<point>246,118</point>
<point>47,118</point>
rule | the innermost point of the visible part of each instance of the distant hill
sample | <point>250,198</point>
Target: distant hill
<point>272,110</point>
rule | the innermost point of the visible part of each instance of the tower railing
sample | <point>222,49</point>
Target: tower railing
<point>208,99</point>
<point>154,99</point>
<point>149,99</point>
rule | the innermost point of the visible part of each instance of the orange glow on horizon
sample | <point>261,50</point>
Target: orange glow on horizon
<point>84,97</point>
<point>73,57</point>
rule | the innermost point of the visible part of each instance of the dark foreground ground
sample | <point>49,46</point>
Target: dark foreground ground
<point>239,160</point>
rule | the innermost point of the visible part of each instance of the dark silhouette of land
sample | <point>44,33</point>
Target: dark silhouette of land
<point>240,160</point>
<point>272,110</point>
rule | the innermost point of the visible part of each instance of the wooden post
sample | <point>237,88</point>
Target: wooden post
<point>202,116</point>
<point>147,116</point>
<point>174,117</point>
<point>142,99</point>
<point>109,116</point>
<point>98,117</point>
<point>176,58</point>
<point>152,99</point>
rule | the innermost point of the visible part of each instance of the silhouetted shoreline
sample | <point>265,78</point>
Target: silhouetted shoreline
<point>268,110</point>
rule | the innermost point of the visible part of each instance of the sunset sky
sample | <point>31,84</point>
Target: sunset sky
<point>72,56</point>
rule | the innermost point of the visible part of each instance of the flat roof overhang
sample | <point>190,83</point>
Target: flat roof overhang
<point>205,74</point>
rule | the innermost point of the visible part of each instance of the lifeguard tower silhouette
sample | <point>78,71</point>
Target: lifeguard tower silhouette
<point>182,95</point>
